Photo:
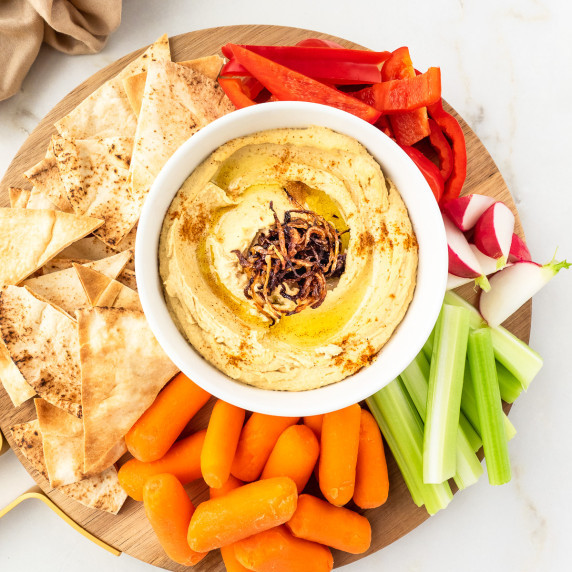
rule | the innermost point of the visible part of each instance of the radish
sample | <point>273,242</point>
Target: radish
<point>456,281</point>
<point>462,261</point>
<point>488,266</point>
<point>513,286</point>
<point>493,232</point>
<point>466,211</point>
<point>518,250</point>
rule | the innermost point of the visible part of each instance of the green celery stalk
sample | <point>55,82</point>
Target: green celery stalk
<point>468,467</point>
<point>489,405</point>
<point>444,397</point>
<point>403,430</point>
<point>510,387</point>
<point>428,346</point>
<point>519,359</point>
<point>469,431</point>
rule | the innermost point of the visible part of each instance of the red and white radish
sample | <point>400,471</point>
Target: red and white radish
<point>518,250</point>
<point>488,266</point>
<point>466,211</point>
<point>513,286</point>
<point>462,260</point>
<point>456,281</point>
<point>493,232</point>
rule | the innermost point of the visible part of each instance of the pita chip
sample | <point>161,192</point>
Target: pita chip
<point>13,381</point>
<point>42,342</point>
<point>106,112</point>
<point>135,85</point>
<point>29,238</point>
<point>19,197</point>
<point>102,491</point>
<point>45,176</point>
<point>103,291</point>
<point>88,248</point>
<point>123,368</point>
<point>177,102</point>
<point>127,277</point>
<point>95,173</point>
<point>65,290</point>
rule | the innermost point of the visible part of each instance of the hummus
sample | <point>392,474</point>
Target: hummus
<point>222,206</point>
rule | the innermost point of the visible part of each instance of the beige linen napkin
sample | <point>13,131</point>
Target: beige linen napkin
<point>70,26</point>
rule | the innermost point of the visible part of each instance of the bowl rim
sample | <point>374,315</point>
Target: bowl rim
<point>405,342</point>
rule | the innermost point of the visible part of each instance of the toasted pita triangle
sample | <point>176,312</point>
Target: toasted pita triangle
<point>102,491</point>
<point>135,85</point>
<point>103,291</point>
<point>14,383</point>
<point>38,200</point>
<point>95,173</point>
<point>64,289</point>
<point>123,369</point>
<point>106,112</point>
<point>42,342</point>
<point>45,176</point>
<point>88,248</point>
<point>29,238</point>
<point>177,102</point>
<point>19,197</point>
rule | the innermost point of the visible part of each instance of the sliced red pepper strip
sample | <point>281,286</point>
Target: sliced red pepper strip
<point>288,85</point>
<point>428,169</point>
<point>401,95</point>
<point>442,148</point>
<point>383,125</point>
<point>411,126</point>
<point>233,88</point>
<point>319,43</point>
<point>453,131</point>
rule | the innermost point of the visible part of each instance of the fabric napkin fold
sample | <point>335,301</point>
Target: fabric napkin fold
<point>70,26</point>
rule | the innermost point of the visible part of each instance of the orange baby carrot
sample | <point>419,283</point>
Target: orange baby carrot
<point>221,441</point>
<point>183,460</point>
<point>276,550</point>
<point>169,510</point>
<point>242,512</point>
<point>258,437</point>
<point>294,455</point>
<point>231,484</point>
<point>314,422</point>
<point>158,428</point>
<point>334,526</point>
<point>229,558</point>
<point>372,483</point>
<point>338,454</point>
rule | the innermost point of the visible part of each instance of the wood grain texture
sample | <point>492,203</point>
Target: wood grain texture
<point>130,531</point>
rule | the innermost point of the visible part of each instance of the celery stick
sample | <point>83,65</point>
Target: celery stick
<point>510,387</point>
<point>428,346</point>
<point>489,405</point>
<point>403,430</point>
<point>415,379</point>
<point>470,433</point>
<point>444,397</point>
<point>522,361</point>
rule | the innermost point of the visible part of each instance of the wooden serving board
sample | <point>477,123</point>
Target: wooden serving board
<point>130,531</point>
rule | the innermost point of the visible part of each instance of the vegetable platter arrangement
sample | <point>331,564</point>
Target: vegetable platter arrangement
<point>202,477</point>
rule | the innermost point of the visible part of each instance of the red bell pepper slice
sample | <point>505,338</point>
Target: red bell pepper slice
<point>288,85</point>
<point>319,43</point>
<point>442,148</point>
<point>428,169</point>
<point>233,88</point>
<point>401,95</point>
<point>453,131</point>
<point>412,126</point>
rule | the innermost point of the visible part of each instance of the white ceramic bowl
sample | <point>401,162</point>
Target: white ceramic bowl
<point>406,341</point>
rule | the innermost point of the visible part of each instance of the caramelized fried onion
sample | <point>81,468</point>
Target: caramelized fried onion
<point>292,260</point>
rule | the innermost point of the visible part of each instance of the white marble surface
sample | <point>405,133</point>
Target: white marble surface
<point>506,69</point>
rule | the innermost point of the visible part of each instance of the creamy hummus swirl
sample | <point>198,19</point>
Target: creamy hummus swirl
<point>221,207</point>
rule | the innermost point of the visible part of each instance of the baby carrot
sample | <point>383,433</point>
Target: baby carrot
<point>334,526</point>
<point>231,484</point>
<point>158,428</point>
<point>183,460</point>
<point>294,455</point>
<point>242,512</point>
<point>338,454</point>
<point>258,436</point>
<point>276,550</point>
<point>169,510</point>
<point>229,558</point>
<point>314,422</point>
<point>372,483</point>
<point>221,441</point>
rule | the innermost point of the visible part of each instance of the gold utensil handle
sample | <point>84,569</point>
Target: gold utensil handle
<point>37,493</point>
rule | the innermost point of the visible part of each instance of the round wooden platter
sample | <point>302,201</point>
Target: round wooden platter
<point>130,531</point>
